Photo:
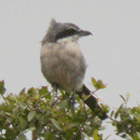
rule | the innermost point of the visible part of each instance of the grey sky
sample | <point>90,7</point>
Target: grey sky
<point>113,52</point>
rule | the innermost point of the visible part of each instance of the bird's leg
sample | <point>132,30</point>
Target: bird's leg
<point>55,87</point>
<point>73,99</point>
<point>72,103</point>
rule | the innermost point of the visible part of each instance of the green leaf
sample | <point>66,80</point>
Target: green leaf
<point>51,136</point>
<point>123,98</point>
<point>15,111</point>
<point>22,123</point>
<point>127,96</point>
<point>38,117</point>
<point>63,103</point>
<point>78,98</point>
<point>56,124</point>
<point>1,138</point>
<point>136,137</point>
<point>31,115</point>
<point>32,128</point>
<point>93,81</point>
<point>22,137</point>
<point>138,134</point>
<point>112,113</point>
<point>95,135</point>
<point>120,107</point>
<point>22,105</point>
<point>62,92</point>
<point>116,114</point>
<point>85,135</point>
<point>43,92</point>
<point>22,92</point>
<point>2,88</point>
<point>98,84</point>
<point>129,137</point>
<point>32,91</point>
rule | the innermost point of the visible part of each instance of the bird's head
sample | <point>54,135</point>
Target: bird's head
<point>58,31</point>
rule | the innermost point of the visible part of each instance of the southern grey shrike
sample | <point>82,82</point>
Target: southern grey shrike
<point>63,64</point>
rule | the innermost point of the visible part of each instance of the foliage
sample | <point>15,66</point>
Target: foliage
<point>128,125</point>
<point>47,115</point>
<point>51,116</point>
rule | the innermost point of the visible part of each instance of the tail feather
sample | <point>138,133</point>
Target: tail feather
<point>92,103</point>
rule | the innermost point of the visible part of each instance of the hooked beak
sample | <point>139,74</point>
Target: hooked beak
<point>84,33</point>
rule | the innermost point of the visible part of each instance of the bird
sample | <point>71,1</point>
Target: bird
<point>63,63</point>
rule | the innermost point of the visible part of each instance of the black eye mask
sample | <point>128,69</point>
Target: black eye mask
<point>66,33</point>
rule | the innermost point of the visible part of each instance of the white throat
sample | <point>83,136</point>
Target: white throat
<point>73,38</point>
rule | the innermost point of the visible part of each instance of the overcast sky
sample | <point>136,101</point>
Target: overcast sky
<point>112,53</point>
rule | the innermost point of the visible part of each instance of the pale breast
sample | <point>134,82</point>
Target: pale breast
<point>64,64</point>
